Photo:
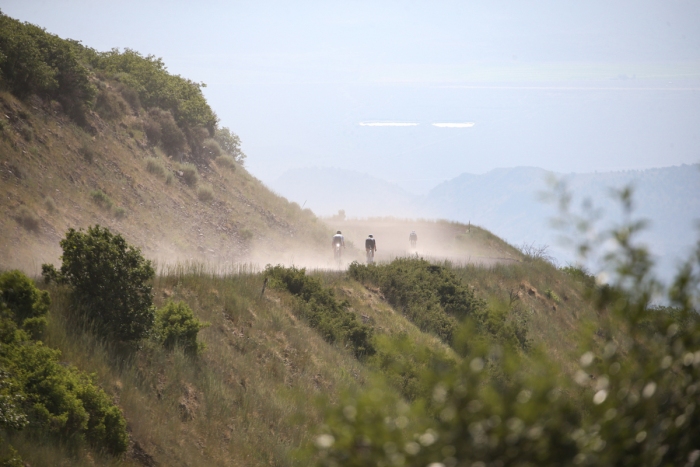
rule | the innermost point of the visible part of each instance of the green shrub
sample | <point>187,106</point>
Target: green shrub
<point>169,179</point>
<point>230,143</point>
<point>120,213</point>
<point>155,166</point>
<point>176,325</point>
<point>318,306</point>
<point>211,149</point>
<point>50,204</point>
<point>87,153</point>
<point>205,193</point>
<point>27,133</point>
<point>29,305</point>
<point>581,274</point>
<point>226,161</point>
<point>101,199</point>
<point>190,175</point>
<point>161,128</point>
<point>27,219</point>
<point>552,295</point>
<point>110,281</point>
<point>110,105</point>
<point>429,295</point>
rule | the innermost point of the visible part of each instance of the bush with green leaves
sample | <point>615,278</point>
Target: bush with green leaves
<point>318,306</point>
<point>101,199</point>
<point>176,325</point>
<point>631,398</point>
<point>111,282</point>
<point>29,305</point>
<point>190,174</point>
<point>230,144</point>
<point>33,61</point>
<point>40,394</point>
<point>429,295</point>
<point>226,161</point>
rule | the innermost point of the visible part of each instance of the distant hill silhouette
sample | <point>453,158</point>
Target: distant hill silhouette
<point>508,202</point>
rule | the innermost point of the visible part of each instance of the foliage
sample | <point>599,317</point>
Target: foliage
<point>101,199</point>
<point>190,174</point>
<point>27,219</point>
<point>39,393</point>
<point>161,129</point>
<point>429,295</point>
<point>155,166</point>
<point>230,144</point>
<point>157,88</point>
<point>322,311</point>
<point>176,325</point>
<point>226,161</point>
<point>205,193</point>
<point>29,305</point>
<point>631,400</point>
<point>581,274</point>
<point>211,149</point>
<point>110,281</point>
<point>33,61</point>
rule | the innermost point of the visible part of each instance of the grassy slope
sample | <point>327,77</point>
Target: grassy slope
<point>42,155</point>
<point>252,398</point>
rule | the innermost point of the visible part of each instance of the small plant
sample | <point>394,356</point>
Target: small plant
<point>552,295</point>
<point>226,161</point>
<point>155,166</point>
<point>169,178</point>
<point>205,193</point>
<point>120,212</point>
<point>110,281</point>
<point>27,133</point>
<point>246,235</point>
<point>211,148</point>
<point>87,153</point>
<point>101,199</point>
<point>50,204</point>
<point>176,325</point>
<point>190,175</point>
<point>27,219</point>
<point>28,304</point>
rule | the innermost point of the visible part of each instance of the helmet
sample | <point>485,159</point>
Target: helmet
<point>338,232</point>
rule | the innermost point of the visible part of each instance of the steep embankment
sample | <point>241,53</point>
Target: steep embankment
<point>55,175</point>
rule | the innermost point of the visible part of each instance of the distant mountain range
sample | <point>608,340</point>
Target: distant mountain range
<point>509,202</point>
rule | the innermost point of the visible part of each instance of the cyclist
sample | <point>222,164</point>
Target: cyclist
<point>370,247</point>
<point>413,238</point>
<point>338,242</point>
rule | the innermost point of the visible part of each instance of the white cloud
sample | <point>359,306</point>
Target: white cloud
<point>454,125</point>
<point>387,124</point>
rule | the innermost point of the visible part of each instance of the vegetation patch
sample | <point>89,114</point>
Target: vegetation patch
<point>155,166</point>
<point>318,306</point>
<point>175,324</point>
<point>189,174</point>
<point>110,280</point>
<point>205,193</point>
<point>27,219</point>
<point>101,199</point>
<point>50,204</point>
<point>226,161</point>
<point>40,394</point>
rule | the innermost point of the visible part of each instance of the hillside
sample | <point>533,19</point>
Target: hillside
<point>184,351</point>
<point>58,176</point>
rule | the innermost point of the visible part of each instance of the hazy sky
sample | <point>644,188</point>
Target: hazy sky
<point>563,85</point>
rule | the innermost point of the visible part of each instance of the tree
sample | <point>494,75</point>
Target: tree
<point>110,281</point>
<point>230,143</point>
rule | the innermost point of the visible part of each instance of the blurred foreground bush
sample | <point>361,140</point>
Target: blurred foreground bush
<point>631,399</point>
